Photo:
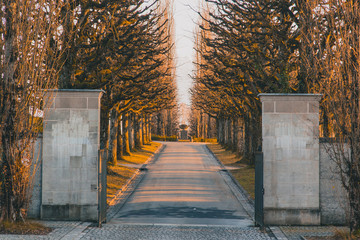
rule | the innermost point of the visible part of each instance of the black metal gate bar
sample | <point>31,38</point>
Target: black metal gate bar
<point>102,187</point>
<point>259,189</point>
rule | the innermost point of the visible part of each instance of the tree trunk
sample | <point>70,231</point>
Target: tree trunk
<point>197,126</point>
<point>209,128</point>
<point>113,130</point>
<point>126,141</point>
<point>66,73</point>
<point>7,137</point>
<point>158,124</point>
<point>120,145</point>
<point>168,123</point>
<point>7,86</point>
<point>218,130</point>
<point>230,141</point>
<point>144,130</point>
<point>221,137</point>
<point>131,131</point>
<point>235,135</point>
<point>201,121</point>
<point>240,143</point>
<point>141,129</point>
<point>104,129</point>
<point>246,137</point>
<point>148,126</point>
<point>145,133</point>
<point>325,122</point>
<point>163,126</point>
<point>226,132</point>
<point>137,131</point>
<point>205,117</point>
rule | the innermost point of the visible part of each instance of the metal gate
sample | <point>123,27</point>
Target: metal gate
<point>102,187</point>
<point>259,189</point>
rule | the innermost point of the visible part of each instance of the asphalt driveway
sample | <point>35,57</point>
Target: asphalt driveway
<point>184,186</point>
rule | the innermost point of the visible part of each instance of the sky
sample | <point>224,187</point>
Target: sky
<point>185,19</point>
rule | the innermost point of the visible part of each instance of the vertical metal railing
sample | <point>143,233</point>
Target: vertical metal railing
<point>259,189</point>
<point>102,205</point>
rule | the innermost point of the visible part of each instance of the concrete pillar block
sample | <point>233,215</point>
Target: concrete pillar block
<point>70,169</point>
<point>290,124</point>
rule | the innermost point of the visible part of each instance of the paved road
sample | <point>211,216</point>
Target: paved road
<point>184,186</point>
<point>182,196</point>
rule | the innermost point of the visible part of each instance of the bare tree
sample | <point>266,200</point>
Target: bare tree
<point>27,29</point>
<point>337,63</point>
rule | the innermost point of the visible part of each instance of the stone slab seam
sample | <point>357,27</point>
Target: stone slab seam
<point>124,194</point>
<point>278,233</point>
<point>64,235</point>
<point>180,225</point>
<point>77,232</point>
<point>249,204</point>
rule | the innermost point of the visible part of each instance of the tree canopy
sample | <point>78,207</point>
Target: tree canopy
<point>249,47</point>
<point>123,47</point>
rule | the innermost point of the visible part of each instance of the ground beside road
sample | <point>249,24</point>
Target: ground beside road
<point>183,195</point>
<point>161,209</point>
<point>237,166</point>
<point>120,174</point>
<point>184,186</point>
<point>245,176</point>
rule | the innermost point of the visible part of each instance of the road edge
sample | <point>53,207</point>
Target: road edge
<point>122,196</point>
<point>273,230</point>
<point>241,189</point>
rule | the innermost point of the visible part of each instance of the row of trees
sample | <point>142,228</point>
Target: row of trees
<point>249,47</point>
<point>165,123</point>
<point>202,125</point>
<point>123,47</point>
<point>27,65</point>
<point>148,88</point>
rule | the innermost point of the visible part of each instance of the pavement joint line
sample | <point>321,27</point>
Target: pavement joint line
<point>77,232</point>
<point>278,233</point>
<point>183,225</point>
<point>64,234</point>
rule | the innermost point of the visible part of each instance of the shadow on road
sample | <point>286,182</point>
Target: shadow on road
<point>182,212</point>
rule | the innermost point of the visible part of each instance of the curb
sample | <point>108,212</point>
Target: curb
<point>223,168</point>
<point>275,231</point>
<point>128,189</point>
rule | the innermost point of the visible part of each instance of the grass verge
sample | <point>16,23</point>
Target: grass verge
<point>209,140</point>
<point>243,173</point>
<point>23,228</point>
<point>118,175</point>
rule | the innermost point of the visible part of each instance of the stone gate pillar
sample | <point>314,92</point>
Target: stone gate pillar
<point>71,140</point>
<point>290,135</point>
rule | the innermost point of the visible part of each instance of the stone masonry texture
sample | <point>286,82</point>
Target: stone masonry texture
<point>333,200</point>
<point>70,156</point>
<point>35,201</point>
<point>290,129</point>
